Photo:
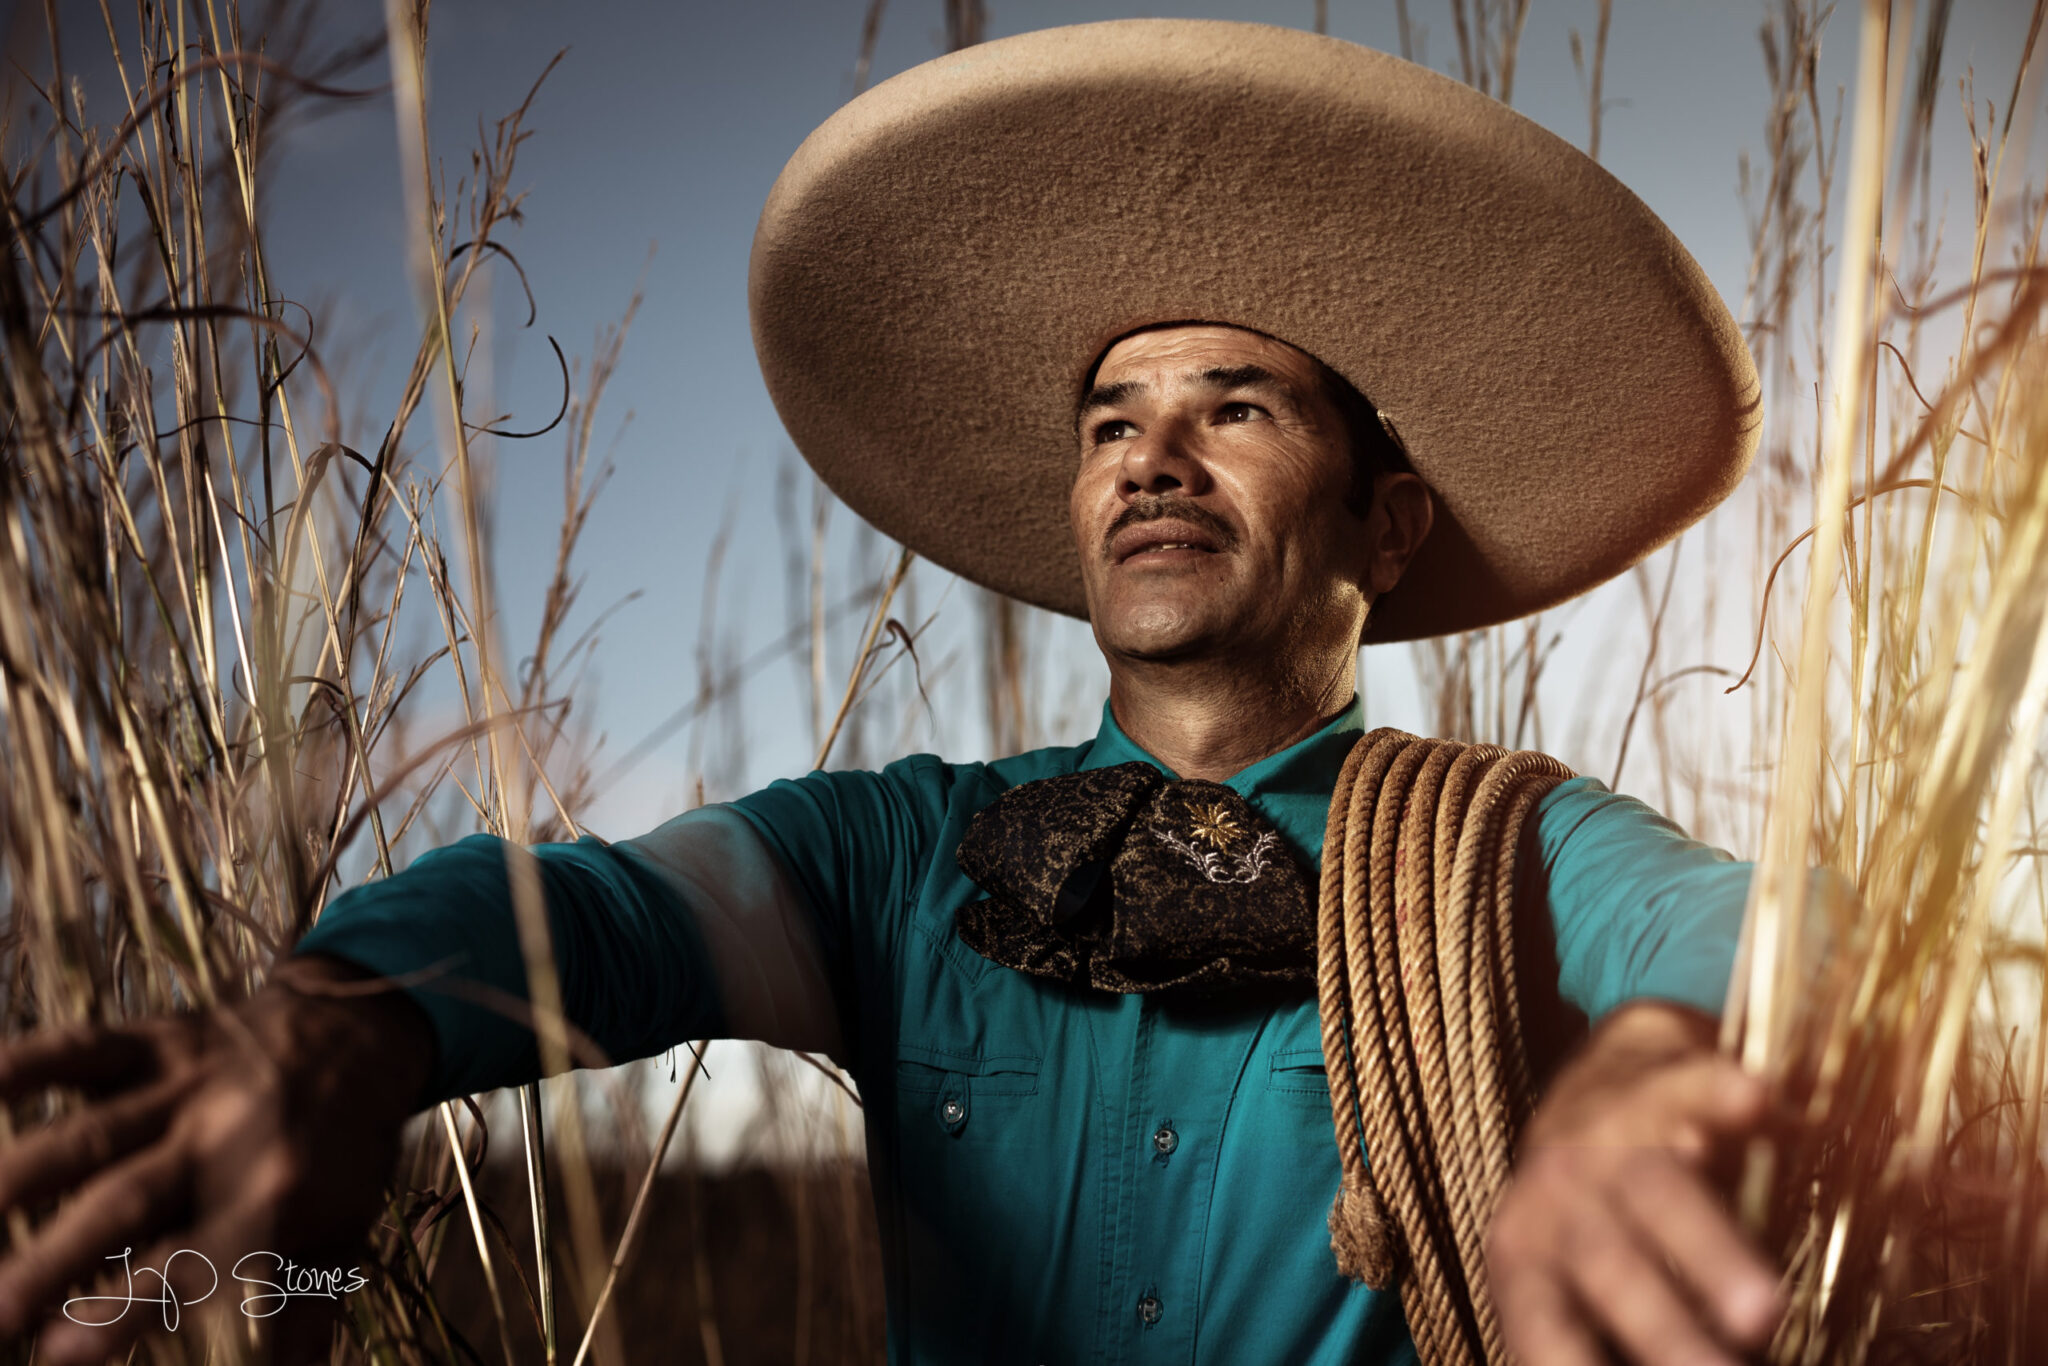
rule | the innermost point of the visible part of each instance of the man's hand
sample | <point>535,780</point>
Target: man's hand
<point>1610,1230</point>
<point>270,1125</point>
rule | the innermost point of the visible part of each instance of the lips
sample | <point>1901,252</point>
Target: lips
<point>1164,535</point>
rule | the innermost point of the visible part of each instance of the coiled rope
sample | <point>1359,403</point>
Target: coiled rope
<point>1423,1034</point>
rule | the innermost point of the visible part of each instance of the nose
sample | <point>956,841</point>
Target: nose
<point>1158,462</point>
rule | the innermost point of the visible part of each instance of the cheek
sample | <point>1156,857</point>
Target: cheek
<point>1084,502</point>
<point>1309,544</point>
<point>1286,507</point>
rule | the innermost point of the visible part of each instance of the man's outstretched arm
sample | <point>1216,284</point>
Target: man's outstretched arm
<point>272,1124</point>
<point>1612,1231</point>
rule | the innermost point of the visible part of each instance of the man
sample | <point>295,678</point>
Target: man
<point>1138,273</point>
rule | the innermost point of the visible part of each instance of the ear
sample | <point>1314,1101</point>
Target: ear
<point>1403,509</point>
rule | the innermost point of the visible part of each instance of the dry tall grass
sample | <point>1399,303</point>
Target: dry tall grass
<point>1906,1189</point>
<point>221,627</point>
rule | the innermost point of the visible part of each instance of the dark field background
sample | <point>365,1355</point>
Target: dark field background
<point>752,1267</point>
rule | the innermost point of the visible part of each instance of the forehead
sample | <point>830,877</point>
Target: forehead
<point>1189,349</point>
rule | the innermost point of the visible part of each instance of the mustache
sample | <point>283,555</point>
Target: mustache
<point>1152,507</point>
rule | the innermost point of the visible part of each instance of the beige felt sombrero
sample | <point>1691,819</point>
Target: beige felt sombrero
<point>943,260</point>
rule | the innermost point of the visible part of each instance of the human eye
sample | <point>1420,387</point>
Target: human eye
<point>1239,411</point>
<point>1115,429</point>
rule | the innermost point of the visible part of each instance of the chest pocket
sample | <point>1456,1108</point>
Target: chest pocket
<point>1295,1076</point>
<point>956,1091</point>
<point>977,1151</point>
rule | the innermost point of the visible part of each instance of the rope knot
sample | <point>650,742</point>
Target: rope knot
<point>1360,1237</point>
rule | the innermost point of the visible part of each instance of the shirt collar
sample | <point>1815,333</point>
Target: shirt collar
<point>1291,788</point>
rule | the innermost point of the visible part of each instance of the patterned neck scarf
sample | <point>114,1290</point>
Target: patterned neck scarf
<point>1125,880</point>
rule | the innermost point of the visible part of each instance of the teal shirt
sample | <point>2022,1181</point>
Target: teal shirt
<point>1044,1160</point>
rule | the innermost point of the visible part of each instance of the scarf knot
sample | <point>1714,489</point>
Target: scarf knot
<point>1122,879</point>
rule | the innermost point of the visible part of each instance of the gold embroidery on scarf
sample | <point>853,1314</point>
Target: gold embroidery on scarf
<point>1215,824</point>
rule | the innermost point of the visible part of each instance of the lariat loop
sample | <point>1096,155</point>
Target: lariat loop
<point>1422,1020</point>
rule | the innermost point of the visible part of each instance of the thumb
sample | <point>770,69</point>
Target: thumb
<point>1715,1098</point>
<point>1734,1100</point>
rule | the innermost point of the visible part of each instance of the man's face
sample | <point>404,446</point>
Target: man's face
<point>1209,504</point>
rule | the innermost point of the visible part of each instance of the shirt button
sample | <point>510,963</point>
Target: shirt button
<point>1166,1140</point>
<point>952,1110</point>
<point>1149,1310</point>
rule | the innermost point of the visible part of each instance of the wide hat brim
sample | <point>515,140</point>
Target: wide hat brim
<point>943,260</point>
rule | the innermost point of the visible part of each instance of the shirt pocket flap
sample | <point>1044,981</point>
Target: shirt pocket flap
<point>925,1070</point>
<point>1299,1071</point>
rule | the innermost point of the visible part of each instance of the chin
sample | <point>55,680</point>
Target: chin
<point>1152,630</point>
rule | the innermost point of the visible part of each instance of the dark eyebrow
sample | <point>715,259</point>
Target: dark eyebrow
<point>1215,377</point>
<point>1236,376</point>
<point>1106,396</point>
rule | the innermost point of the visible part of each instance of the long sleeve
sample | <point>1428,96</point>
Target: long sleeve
<point>1639,909</point>
<point>691,931</point>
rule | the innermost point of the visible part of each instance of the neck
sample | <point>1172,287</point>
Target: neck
<point>1211,719</point>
